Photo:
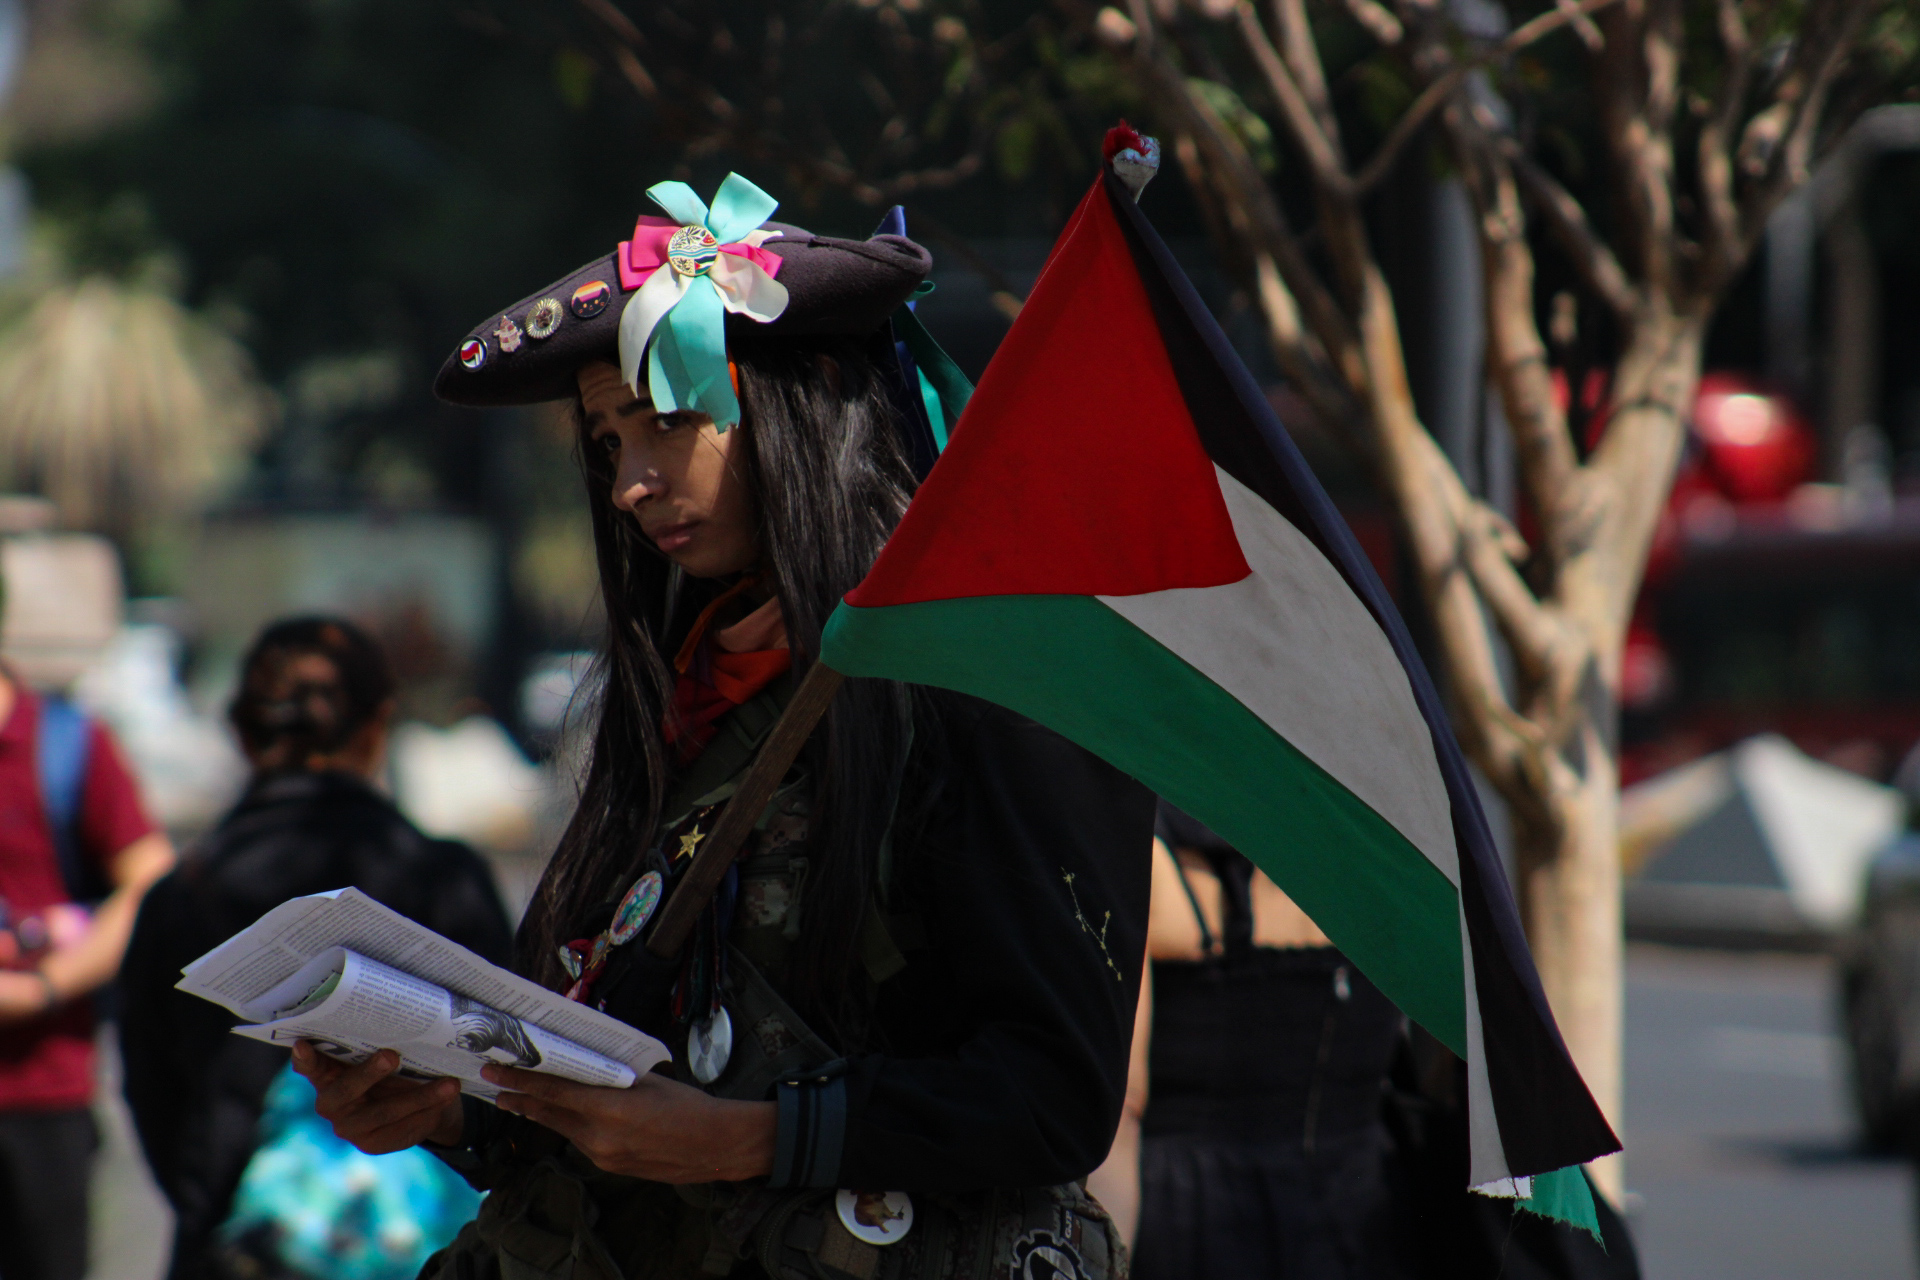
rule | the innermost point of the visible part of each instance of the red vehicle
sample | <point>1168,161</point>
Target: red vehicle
<point>1772,604</point>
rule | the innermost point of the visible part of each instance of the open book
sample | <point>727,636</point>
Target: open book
<point>355,977</point>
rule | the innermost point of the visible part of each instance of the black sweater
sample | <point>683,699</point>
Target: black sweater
<point>1009,1035</point>
<point>196,1091</point>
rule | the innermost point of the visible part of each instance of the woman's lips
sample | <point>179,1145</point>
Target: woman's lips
<point>674,537</point>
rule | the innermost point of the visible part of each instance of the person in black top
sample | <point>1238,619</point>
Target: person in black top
<point>312,713</point>
<point>1255,1143</point>
<point>1284,1121</point>
<point>900,1032</point>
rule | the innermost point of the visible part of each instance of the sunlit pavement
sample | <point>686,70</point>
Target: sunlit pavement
<point>1740,1142</point>
<point>1739,1137</point>
<point>132,1227</point>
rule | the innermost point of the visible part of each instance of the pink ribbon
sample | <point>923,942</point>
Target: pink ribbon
<point>646,253</point>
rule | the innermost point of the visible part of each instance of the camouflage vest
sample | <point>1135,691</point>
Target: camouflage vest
<point>554,1216</point>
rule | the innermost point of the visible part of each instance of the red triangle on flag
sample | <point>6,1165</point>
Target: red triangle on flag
<point>1076,469</point>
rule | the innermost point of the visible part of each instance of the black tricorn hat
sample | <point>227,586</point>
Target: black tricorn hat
<point>531,351</point>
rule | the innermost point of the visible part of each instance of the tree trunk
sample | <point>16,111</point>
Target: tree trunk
<point>1569,864</point>
<point>1570,902</point>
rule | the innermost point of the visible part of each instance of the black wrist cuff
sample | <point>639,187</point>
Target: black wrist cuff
<point>811,1129</point>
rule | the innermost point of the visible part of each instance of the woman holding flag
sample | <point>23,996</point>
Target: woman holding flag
<point>900,1021</point>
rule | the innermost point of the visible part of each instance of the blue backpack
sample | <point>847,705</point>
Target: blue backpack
<point>60,760</point>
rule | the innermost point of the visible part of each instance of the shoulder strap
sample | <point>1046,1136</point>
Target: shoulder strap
<point>1199,916</point>
<point>60,756</point>
<point>1236,898</point>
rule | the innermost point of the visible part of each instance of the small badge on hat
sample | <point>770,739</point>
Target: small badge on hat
<point>543,317</point>
<point>692,250</point>
<point>508,333</point>
<point>875,1217</point>
<point>590,299</point>
<point>473,354</point>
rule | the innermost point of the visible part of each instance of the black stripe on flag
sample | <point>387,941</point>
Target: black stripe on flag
<point>1548,1120</point>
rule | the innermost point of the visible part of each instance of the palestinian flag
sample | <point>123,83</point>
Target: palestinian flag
<point>1122,543</point>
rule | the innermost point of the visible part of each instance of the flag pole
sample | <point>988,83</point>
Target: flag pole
<point>717,852</point>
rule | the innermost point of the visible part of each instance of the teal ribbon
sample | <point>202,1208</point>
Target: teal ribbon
<point>944,390</point>
<point>687,365</point>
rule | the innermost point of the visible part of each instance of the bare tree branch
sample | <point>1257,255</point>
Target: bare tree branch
<point>1637,82</point>
<point>1436,94</point>
<point>1300,352</point>
<point>1516,354</point>
<point>1246,191</point>
<point>1721,206</point>
<point>1322,150</point>
<point>1303,59</point>
<point>1379,22</point>
<point>1567,222</point>
<point>1827,44</point>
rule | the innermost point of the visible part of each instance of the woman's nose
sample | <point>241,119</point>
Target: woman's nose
<point>633,484</point>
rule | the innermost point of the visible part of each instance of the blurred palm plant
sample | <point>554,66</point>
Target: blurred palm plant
<point>122,406</point>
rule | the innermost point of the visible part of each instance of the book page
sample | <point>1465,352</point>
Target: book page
<point>352,1007</point>
<point>252,973</point>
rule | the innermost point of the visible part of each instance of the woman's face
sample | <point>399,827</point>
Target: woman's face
<point>675,473</point>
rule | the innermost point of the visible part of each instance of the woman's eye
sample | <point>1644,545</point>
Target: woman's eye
<point>609,442</point>
<point>674,420</point>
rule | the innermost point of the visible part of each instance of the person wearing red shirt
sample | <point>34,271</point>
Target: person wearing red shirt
<point>51,959</point>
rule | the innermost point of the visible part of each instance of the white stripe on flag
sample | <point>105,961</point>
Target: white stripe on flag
<point>1298,649</point>
<point>1487,1158</point>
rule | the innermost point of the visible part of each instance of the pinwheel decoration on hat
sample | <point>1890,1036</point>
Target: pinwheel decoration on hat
<point>690,269</point>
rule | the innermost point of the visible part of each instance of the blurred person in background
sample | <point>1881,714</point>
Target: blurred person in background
<point>227,1129</point>
<point>1253,1145</point>
<point>1284,1122</point>
<point>77,852</point>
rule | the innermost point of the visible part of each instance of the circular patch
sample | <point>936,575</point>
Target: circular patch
<point>636,908</point>
<point>692,250</point>
<point>875,1217</point>
<point>1039,1256</point>
<point>709,1045</point>
<point>473,354</point>
<point>543,317</point>
<point>590,299</point>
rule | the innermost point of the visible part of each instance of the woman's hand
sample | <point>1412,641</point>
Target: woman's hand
<point>377,1111</point>
<point>658,1129</point>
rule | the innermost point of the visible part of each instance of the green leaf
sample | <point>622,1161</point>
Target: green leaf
<point>1244,122</point>
<point>1015,147</point>
<point>573,76</point>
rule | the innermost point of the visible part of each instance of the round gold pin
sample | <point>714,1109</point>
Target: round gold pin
<point>543,318</point>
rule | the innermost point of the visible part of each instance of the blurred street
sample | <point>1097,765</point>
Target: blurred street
<point>1741,1143</point>
<point>1740,1139</point>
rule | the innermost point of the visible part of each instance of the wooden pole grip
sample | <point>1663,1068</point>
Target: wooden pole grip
<point>702,880</point>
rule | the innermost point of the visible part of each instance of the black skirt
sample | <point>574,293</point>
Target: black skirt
<point>1263,1154</point>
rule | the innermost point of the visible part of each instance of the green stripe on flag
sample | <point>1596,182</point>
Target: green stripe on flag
<point>1084,671</point>
<point>1563,1194</point>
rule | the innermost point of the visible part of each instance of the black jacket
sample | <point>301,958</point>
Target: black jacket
<point>195,1090</point>
<point>1007,1034</point>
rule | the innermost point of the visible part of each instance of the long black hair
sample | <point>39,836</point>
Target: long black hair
<point>824,461</point>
